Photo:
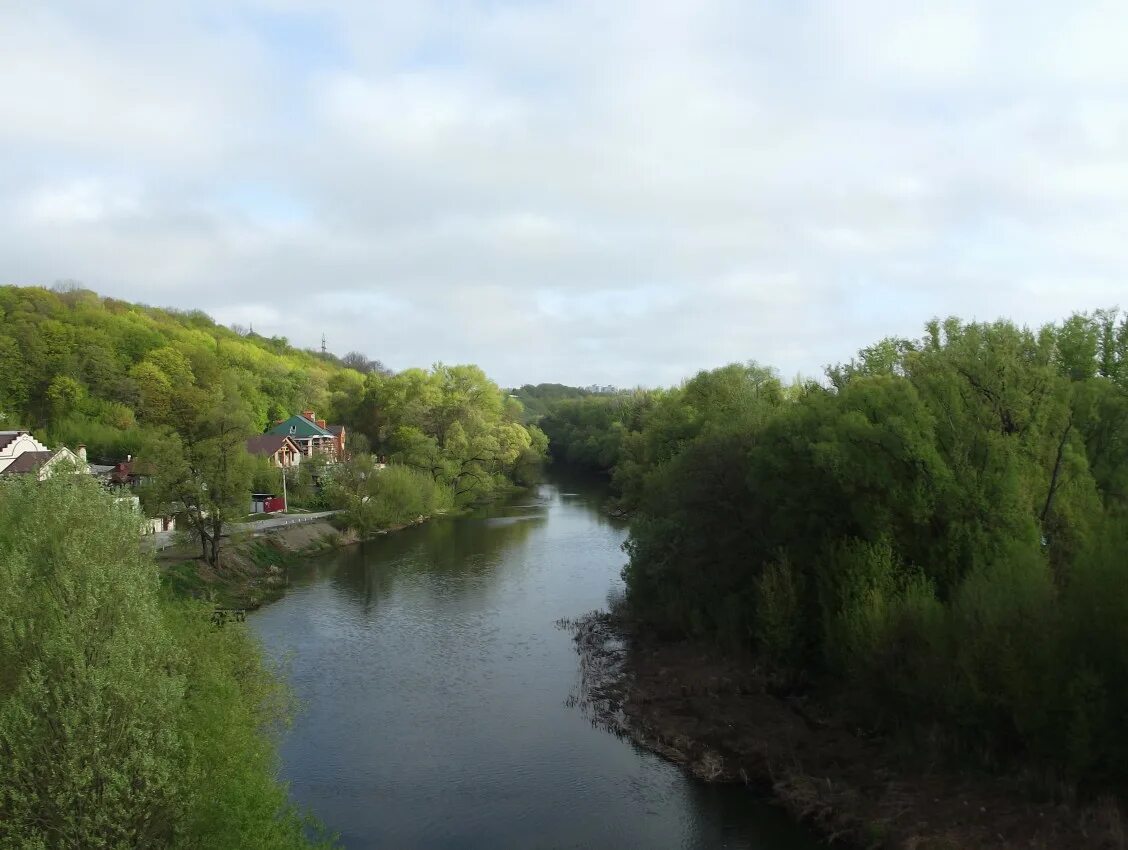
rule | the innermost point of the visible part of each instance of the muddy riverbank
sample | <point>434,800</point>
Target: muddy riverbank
<point>723,723</point>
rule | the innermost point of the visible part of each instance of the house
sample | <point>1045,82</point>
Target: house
<point>338,432</point>
<point>282,451</point>
<point>149,525</point>
<point>22,454</point>
<point>131,473</point>
<point>312,435</point>
<point>124,477</point>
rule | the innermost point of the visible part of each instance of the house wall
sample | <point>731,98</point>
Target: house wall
<point>285,458</point>
<point>65,456</point>
<point>22,443</point>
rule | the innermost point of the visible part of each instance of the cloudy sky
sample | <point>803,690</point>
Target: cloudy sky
<point>611,192</point>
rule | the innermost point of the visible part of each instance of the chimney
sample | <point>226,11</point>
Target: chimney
<point>82,452</point>
<point>321,423</point>
<point>308,414</point>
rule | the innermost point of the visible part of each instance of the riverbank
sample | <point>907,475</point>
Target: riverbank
<point>722,722</point>
<point>254,566</point>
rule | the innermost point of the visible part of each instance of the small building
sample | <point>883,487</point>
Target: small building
<point>149,525</point>
<point>131,473</point>
<point>266,503</point>
<point>282,451</point>
<point>312,435</point>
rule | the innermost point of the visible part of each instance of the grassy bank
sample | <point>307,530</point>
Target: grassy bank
<point>254,569</point>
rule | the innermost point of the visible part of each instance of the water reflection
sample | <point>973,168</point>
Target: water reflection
<point>434,686</point>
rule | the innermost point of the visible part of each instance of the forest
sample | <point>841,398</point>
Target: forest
<point>934,537</point>
<point>182,394</point>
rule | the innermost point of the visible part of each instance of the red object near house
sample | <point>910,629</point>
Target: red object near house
<point>270,506</point>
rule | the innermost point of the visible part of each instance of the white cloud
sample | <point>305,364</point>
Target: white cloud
<point>81,202</point>
<point>586,192</point>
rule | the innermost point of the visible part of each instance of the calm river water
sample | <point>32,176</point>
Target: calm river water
<point>433,686</point>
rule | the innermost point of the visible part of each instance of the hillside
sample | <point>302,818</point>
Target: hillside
<point>77,367</point>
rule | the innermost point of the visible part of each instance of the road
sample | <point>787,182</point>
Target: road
<point>164,539</point>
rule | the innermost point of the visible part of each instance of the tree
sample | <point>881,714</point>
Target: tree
<point>375,498</point>
<point>202,468</point>
<point>126,718</point>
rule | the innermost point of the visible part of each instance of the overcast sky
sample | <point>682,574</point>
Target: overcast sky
<point>587,192</point>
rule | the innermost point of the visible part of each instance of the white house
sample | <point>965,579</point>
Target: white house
<point>22,454</point>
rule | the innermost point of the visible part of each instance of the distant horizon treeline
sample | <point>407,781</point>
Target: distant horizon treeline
<point>936,536</point>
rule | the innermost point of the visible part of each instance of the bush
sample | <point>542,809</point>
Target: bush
<point>126,719</point>
<point>376,498</point>
<point>778,625</point>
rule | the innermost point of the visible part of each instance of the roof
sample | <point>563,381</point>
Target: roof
<point>27,462</point>
<point>335,430</point>
<point>129,469</point>
<point>8,437</point>
<point>97,469</point>
<point>268,444</point>
<point>299,428</point>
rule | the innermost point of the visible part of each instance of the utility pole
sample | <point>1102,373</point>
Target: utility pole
<point>285,501</point>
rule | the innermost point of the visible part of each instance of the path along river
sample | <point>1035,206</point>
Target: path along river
<point>434,690</point>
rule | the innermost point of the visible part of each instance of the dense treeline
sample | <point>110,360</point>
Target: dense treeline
<point>539,399</point>
<point>588,431</point>
<point>184,393</point>
<point>937,535</point>
<point>126,718</point>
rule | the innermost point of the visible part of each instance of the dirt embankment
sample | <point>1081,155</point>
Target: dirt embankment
<point>254,567</point>
<point>721,722</point>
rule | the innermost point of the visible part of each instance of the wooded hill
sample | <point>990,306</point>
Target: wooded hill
<point>79,368</point>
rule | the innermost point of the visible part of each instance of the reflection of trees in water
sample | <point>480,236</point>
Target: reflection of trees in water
<point>732,816</point>
<point>470,549</point>
<point>462,548</point>
<point>585,489</point>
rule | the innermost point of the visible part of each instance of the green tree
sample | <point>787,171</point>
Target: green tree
<point>126,719</point>
<point>202,469</point>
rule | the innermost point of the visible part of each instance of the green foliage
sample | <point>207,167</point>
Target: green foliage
<point>938,535</point>
<point>71,362</point>
<point>778,624</point>
<point>184,392</point>
<point>538,400</point>
<point>453,423</point>
<point>126,719</point>
<point>376,498</point>
<point>202,470</point>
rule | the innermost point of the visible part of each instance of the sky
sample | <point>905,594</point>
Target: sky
<point>585,192</point>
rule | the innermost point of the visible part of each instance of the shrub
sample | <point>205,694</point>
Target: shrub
<point>126,719</point>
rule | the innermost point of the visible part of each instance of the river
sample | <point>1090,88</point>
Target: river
<point>434,694</point>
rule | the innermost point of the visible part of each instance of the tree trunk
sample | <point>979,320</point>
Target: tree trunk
<point>1055,477</point>
<point>216,532</point>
